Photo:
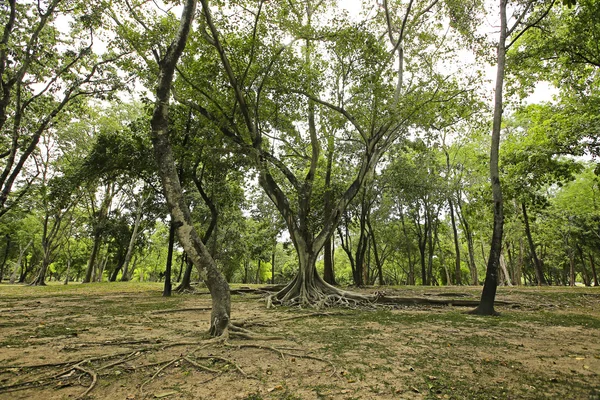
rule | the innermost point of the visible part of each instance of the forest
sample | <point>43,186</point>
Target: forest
<point>323,152</point>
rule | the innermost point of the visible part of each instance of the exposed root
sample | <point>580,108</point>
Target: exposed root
<point>319,294</point>
<point>161,369</point>
<point>282,353</point>
<point>176,310</point>
<point>236,331</point>
<point>200,366</point>
<point>92,374</point>
<point>226,361</point>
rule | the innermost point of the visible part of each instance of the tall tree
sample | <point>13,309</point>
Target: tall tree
<point>44,71</point>
<point>524,19</point>
<point>180,213</point>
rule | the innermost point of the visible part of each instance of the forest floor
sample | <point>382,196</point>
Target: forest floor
<point>125,341</point>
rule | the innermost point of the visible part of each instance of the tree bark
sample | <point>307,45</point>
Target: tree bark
<point>457,273</point>
<point>411,266</point>
<point>539,273</point>
<point>132,239</point>
<point>470,246</point>
<point>180,213</point>
<point>273,267</point>
<point>507,280</point>
<point>6,251</point>
<point>168,285</point>
<point>328,271</point>
<point>488,295</point>
<point>98,231</point>
<point>593,266</point>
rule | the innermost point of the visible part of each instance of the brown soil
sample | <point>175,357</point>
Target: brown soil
<point>142,346</point>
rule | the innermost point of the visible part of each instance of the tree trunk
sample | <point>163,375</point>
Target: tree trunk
<point>470,246</point>
<point>6,251</point>
<point>571,268</point>
<point>66,282</point>
<point>257,280</point>
<point>539,273</point>
<point>15,271</point>
<point>457,273</point>
<point>92,260</point>
<point>411,266</point>
<point>328,272</point>
<point>443,259</point>
<point>132,239</point>
<point>168,286</point>
<point>505,271</point>
<point>98,230</point>
<point>40,280</point>
<point>378,260</point>
<point>273,267</point>
<point>593,266</point>
<point>102,265</point>
<point>488,295</point>
<point>180,213</point>
<point>181,264</point>
<point>307,288</point>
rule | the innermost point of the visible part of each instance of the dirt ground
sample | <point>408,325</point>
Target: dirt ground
<point>125,341</point>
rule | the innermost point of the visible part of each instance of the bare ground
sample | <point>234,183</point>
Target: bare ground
<point>125,341</point>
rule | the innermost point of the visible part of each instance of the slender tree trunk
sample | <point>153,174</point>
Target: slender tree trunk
<point>443,259</point>
<point>571,268</point>
<point>328,272</point>
<point>505,270</point>
<point>273,267</point>
<point>66,282</point>
<point>180,213</point>
<point>92,260</point>
<point>168,285</point>
<point>457,273</point>
<point>132,239</point>
<point>470,246</point>
<point>15,271</point>
<point>257,280</point>
<point>488,295</point>
<point>6,251</point>
<point>98,229</point>
<point>587,278</point>
<point>411,266</point>
<point>593,266</point>
<point>102,265</point>
<point>40,280</point>
<point>378,260</point>
<point>539,273</point>
<point>181,264</point>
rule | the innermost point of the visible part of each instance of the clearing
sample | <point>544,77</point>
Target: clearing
<point>125,341</point>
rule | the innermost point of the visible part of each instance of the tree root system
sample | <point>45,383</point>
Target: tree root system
<point>319,294</point>
<point>88,371</point>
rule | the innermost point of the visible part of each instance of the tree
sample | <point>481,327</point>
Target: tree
<point>180,213</point>
<point>524,20</point>
<point>277,114</point>
<point>44,71</point>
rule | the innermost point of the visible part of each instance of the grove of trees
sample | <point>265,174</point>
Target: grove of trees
<point>305,143</point>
